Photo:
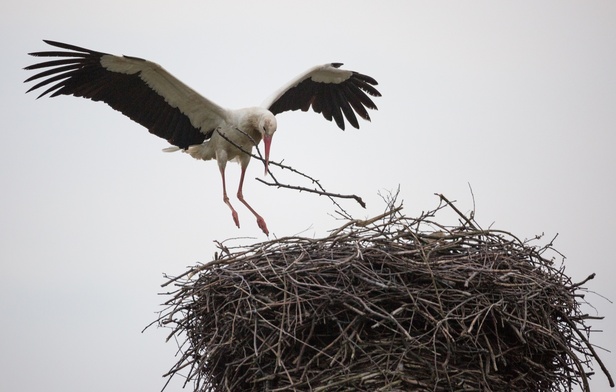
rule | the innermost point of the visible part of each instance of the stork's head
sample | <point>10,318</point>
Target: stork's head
<point>267,127</point>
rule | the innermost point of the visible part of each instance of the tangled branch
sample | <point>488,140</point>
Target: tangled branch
<point>388,304</point>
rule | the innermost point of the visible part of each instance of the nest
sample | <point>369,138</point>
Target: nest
<point>390,304</point>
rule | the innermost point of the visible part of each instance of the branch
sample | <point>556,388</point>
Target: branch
<point>320,191</point>
<point>467,220</point>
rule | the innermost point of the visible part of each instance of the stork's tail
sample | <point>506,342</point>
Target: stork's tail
<point>197,151</point>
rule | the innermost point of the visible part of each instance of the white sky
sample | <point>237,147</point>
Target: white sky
<point>517,99</point>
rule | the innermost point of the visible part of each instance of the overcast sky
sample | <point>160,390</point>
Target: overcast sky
<point>517,99</point>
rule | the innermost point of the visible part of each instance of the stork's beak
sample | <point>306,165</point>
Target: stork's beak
<point>267,141</point>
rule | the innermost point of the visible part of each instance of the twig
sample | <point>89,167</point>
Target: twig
<point>318,192</point>
<point>467,220</point>
<point>278,184</point>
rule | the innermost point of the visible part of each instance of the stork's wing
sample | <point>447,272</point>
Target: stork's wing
<point>329,90</point>
<point>140,89</point>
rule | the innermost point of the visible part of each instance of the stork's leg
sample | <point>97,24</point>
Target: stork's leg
<point>240,196</point>
<point>225,198</point>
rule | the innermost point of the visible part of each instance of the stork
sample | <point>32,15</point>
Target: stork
<point>152,97</point>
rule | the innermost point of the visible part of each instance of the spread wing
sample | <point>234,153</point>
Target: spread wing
<point>334,92</point>
<point>140,89</point>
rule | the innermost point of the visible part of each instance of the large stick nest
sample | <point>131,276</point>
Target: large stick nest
<point>392,304</point>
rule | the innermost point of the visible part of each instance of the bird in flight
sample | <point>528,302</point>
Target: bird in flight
<point>152,97</point>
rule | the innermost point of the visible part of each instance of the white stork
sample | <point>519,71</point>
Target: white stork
<point>151,96</point>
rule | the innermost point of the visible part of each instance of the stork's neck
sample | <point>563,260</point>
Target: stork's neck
<point>248,121</point>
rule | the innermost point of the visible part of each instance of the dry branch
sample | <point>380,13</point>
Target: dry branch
<point>319,189</point>
<point>387,304</point>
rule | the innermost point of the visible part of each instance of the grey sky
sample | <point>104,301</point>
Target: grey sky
<point>516,99</point>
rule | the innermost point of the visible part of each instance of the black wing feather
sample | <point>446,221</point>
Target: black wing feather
<point>81,74</point>
<point>335,101</point>
<point>347,109</point>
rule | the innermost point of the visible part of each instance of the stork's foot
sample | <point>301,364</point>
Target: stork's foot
<point>236,219</point>
<point>262,225</point>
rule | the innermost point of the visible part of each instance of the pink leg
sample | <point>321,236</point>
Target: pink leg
<point>225,198</point>
<point>240,196</point>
